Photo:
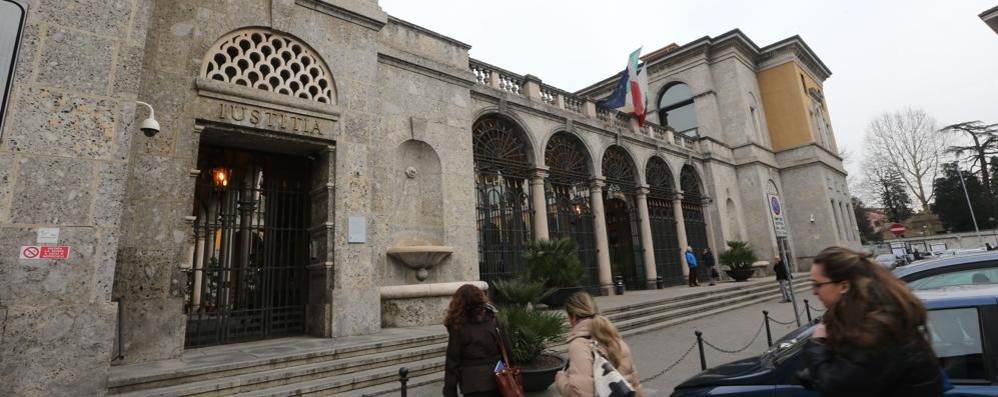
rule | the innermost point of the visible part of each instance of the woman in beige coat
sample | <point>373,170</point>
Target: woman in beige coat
<point>588,324</point>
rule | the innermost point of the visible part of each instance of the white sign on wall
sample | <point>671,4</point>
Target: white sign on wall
<point>776,210</point>
<point>357,229</point>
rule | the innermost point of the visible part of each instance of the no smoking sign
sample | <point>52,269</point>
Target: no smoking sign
<point>44,252</point>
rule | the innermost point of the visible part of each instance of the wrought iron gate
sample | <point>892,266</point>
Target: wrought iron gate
<point>504,219</point>
<point>252,248</point>
<point>696,231</point>
<point>666,240</point>
<point>570,216</point>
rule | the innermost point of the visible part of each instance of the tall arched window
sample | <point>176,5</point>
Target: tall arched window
<point>677,110</point>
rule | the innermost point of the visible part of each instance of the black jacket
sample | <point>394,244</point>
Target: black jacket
<point>910,370</point>
<point>781,271</point>
<point>472,354</point>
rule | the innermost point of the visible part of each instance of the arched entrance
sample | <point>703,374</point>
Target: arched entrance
<point>568,202</point>
<point>663,222</point>
<point>623,235</point>
<point>696,226</point>
<point>503,197</point>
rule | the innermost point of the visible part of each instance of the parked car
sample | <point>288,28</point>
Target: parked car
<point>890,261</point>
<point>980,268</point>
<point>963,322</point>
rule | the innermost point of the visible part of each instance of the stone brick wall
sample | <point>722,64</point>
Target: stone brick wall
<point>64,160</point>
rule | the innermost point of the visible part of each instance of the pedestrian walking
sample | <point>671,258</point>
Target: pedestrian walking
<point>872,340</point>
<point>589,325</point>
<point>782,277</point>
<point>472,344</point>
<point>691,261</point>
<point>708,260</point>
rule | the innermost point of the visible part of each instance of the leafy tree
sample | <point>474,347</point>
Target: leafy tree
<point>866,232</point>
<point>894,197</point>
<point>951,204</point>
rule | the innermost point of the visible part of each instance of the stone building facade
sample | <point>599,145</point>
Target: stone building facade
<point>325,169</point>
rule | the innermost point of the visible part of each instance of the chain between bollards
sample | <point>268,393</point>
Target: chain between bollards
<point>703,359</point>
<point>404,378</point>
<point>769,333</point>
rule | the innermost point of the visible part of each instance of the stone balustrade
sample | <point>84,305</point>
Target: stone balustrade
<point>532,88</point>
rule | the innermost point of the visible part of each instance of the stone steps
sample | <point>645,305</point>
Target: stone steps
<point>372,368</point>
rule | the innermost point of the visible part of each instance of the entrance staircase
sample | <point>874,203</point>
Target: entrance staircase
<point>368,365</point>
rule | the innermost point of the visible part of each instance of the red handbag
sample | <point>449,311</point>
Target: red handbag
<point>508,378</point>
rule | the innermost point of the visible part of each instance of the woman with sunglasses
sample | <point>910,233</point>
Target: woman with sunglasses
<point>872,340</point>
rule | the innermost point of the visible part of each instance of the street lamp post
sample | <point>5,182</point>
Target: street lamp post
<point>967,196</point>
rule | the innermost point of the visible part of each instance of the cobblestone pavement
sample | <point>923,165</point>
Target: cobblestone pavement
<point>654,351</point>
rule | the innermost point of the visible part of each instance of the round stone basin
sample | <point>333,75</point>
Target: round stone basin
<point>421,256</point>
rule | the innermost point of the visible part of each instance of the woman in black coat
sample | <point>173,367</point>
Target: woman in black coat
<point>872,339</point>
<point>472,348</point>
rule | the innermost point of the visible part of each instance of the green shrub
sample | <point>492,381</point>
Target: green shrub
<point>738,256</point>
<point>553,262</point>
<point>521,292</point>
<point>530,331</point>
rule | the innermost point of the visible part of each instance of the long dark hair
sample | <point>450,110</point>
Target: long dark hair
<point>877,309</point>
<point>465,302</point>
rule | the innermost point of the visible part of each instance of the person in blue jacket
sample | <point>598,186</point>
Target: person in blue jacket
<point>691,261</point>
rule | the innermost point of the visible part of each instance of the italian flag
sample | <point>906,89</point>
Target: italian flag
<point>631,93</point>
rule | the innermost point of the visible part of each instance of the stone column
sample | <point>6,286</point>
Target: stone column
<point>539,202</point>
<point>602,245</point>
<point>710,225</point>
<point>677,210</point>
<point>646,242</point>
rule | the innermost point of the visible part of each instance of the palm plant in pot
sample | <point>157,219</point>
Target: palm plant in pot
<point>556,264</point>
<point>530,331</point>
<point>737,260</point>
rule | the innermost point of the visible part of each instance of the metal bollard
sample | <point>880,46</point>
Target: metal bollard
<point>703,360</point>
<point>618,285</point>
<point>404,378</point>
<point>807,308</point>
<point>769,334</point>
<point>659,283</point>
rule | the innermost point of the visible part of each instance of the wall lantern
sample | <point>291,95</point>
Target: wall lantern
<point>221,176</point>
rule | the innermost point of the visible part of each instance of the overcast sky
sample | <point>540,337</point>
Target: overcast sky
<point>884,55</point>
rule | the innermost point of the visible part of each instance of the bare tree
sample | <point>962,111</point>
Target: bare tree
<point>907,142</point>
<point>985,143</point>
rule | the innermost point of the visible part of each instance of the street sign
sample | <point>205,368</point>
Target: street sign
<point>897,228</point>
<point>776,210</point>
<point>44,252</point>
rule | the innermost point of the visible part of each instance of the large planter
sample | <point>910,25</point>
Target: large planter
<point>558,298</point>
<point>740,274</point>
<point>540,379</point>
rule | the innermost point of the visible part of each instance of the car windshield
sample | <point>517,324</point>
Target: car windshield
<point>885,258</point>
<point>962,277</point>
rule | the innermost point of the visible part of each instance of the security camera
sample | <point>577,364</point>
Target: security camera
<point>149,126</point>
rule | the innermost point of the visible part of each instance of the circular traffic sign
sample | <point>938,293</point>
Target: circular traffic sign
<point>30,252</point>
<point>775,204</point>
<point>897,228</point>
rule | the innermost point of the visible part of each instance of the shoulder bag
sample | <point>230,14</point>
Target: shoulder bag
<point>609,381</point>
<point>508,377</point>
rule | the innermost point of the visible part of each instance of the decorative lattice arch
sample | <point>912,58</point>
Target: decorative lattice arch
<point>617,167</point>
<point>658,175</point>
<point>270,61</point>
<point>498,147</point>
<point>566,157</point>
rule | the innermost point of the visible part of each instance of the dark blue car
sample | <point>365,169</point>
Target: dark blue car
<point>963,323</point>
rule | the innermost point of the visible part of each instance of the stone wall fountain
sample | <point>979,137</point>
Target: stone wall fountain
<point>420,255</point>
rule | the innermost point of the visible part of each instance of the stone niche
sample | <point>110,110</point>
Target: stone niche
<point>417,256</point>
